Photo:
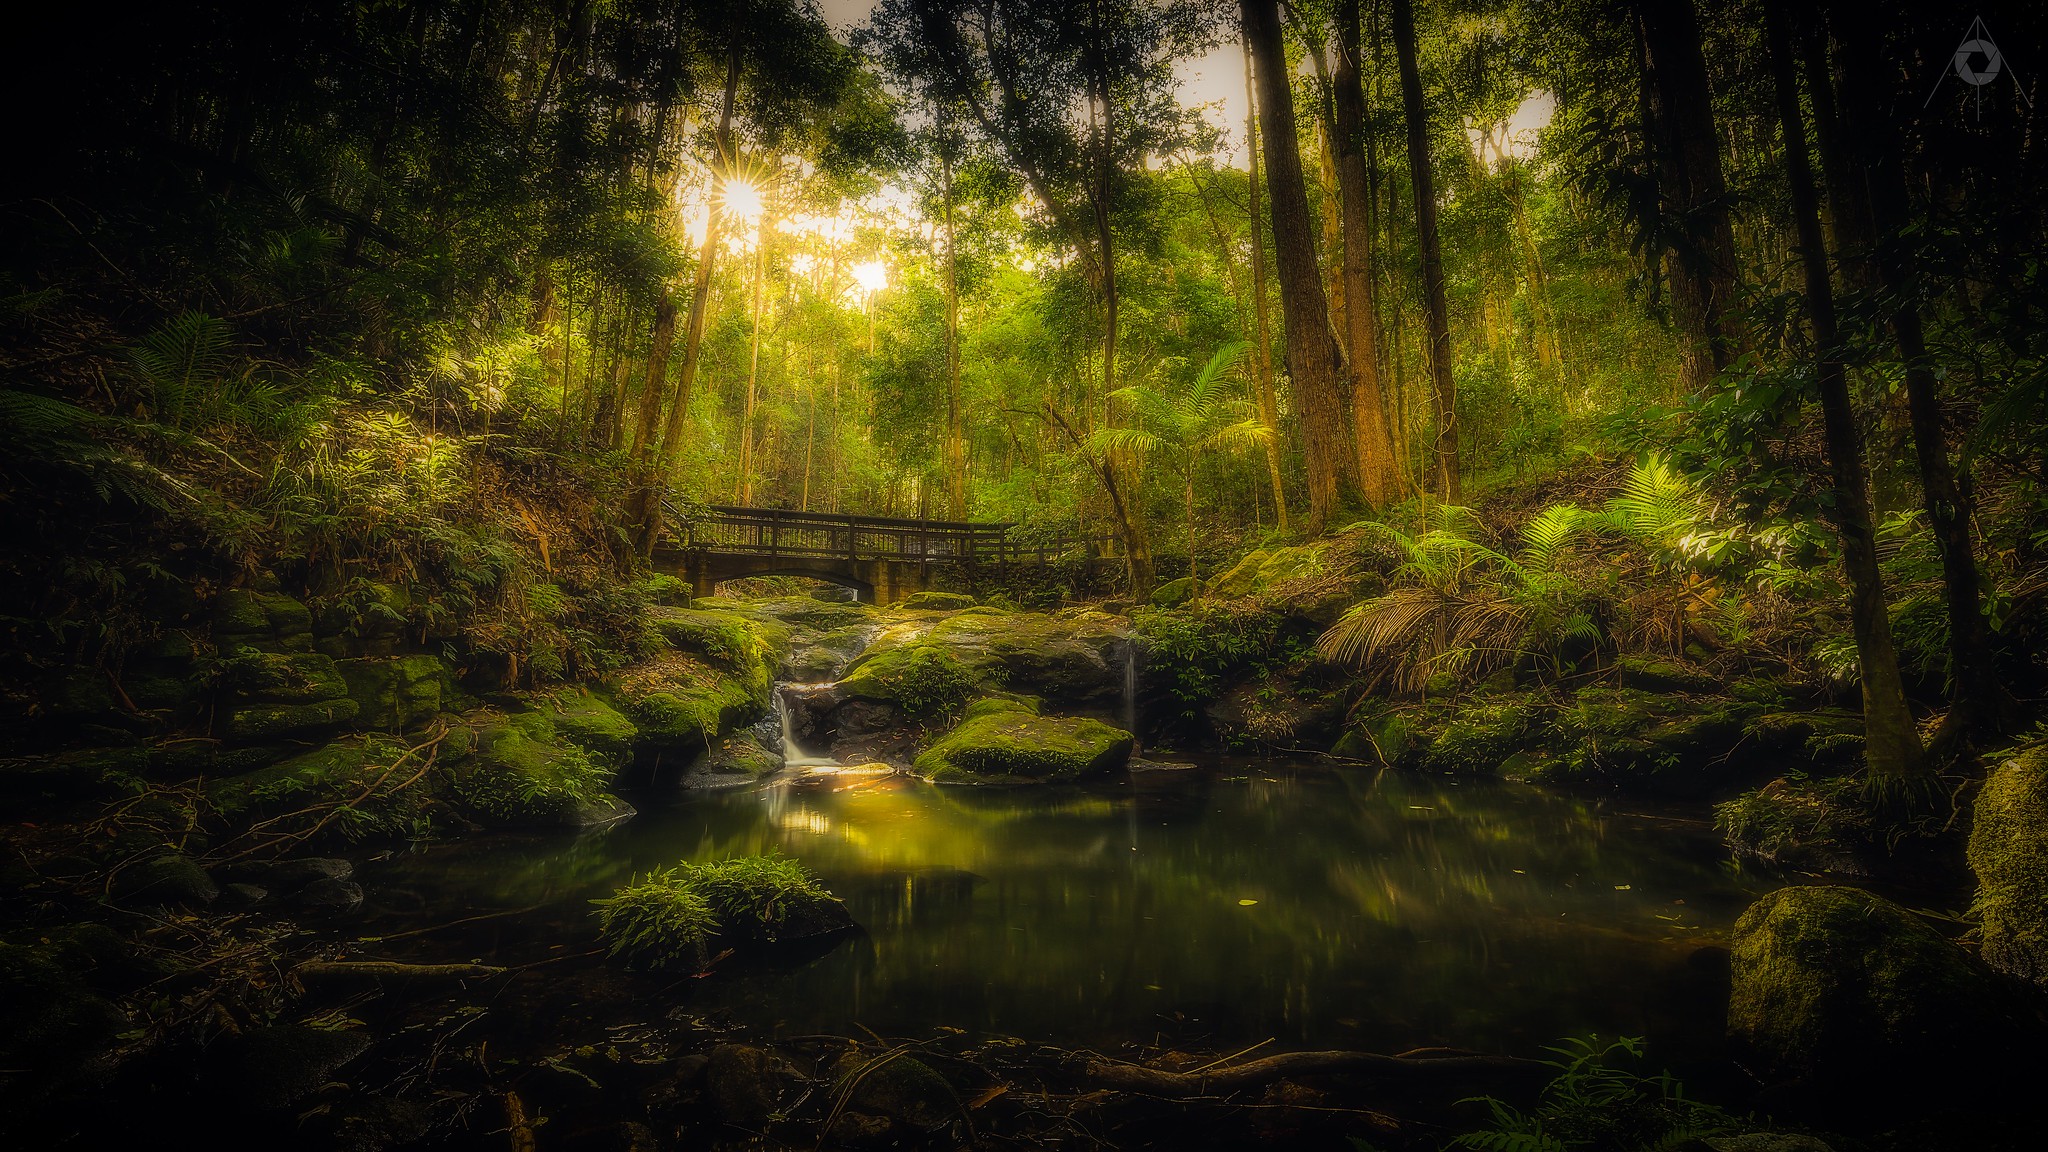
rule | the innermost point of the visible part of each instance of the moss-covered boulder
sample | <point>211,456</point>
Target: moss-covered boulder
<point>1071,657</point>
<point>682,703</point>
<point>900,1087</point>
<point>1666,743</point>
<point>247,619</point>
<point>735,758</point>
<point>947,601</point>
<point>1838,985</point>
<point>823,657</point>
<point>919,680</point>
<point>521,772</point>
<point>1488,736</point>
<point>1175,593</point>
<point>284,695</point>
<point>1660,674</point>
<point>585,719</point>
<point>167,878</point>
<point>260,723</point>
<point>1013,744</point>
<point>395,693</point>
<point>2009,854</point>
<point>354,784</point>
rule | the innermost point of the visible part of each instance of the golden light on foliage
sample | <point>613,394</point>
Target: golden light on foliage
<point>873,276</point>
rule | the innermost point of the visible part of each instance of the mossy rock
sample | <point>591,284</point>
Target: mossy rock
<point>244,618</point>
<point>584,719</point>
<point>1481,737</point>
<point>1661,743</point>
<point>682,703</point>
<point>898,1086</point>
<point>1017,746</point>
<point>1074,657</point>
<point>367,620</point>
<point>167,878</point>
<point>739,757</point>
<point>1838,985</point>
<point>943,600</point>
<point>664,589</point>
<point>748,648</point>
<point>1655,674</point>
<point>283,678</point>
<point>1243,577</point>
<point>825,657</point>
<point>395,693</point>
<point>339,773</point>
<point>270,722</point>
<point>2009,854</point>
<point>769,899</point>
<point>998,705</point>
<point>522,773</point>
<point>1814,825</point>
<point>1175,593</point>
<point>920,679</point>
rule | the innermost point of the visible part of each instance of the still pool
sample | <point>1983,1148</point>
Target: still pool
<point>1227,904</point>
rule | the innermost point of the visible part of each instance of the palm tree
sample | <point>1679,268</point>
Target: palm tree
<point>1184,426</point>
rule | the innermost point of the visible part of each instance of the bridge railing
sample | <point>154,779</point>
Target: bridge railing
<point>773,532</point>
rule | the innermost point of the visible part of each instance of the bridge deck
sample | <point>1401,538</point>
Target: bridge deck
<point>727,530</point>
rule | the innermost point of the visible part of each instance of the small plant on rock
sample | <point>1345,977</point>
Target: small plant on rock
<point>660,921</point>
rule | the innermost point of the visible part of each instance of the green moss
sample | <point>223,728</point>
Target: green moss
<point>266,621</point>
<point>1818,825</point>
<point>659,922</point>
<point>662,588</point>
<point>395,693</point>
<point>284,678</point>
<point>2009,854</point>
<point>1073,657</point>
<point>1658,742</point>
<point>1175,593</point>
<point>1011,745</point>
<point>997,705</point>
<point>523,773</point>
<point>338,774</point>
<point>741,754</point>
<point>1484,736</point>
<point>289,721</point>
<point>921,680</point>
<point>1840,984</point>
<point>587,721</point>
<point>943,600</point>
<point>1655,674</point>
<point>683,703</point>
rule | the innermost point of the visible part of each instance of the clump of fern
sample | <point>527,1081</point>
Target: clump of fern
<point>757,896</point>
<point>660,921</point>
<point>1598,1102</point>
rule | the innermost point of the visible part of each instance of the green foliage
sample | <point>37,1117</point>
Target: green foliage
<point>756,896</point>
<point>923,680</point>
<point>659,921</point>
<point>1196,652</point>
<point>1599,1102</point>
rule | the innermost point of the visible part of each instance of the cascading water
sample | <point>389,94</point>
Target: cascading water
<point>793,754</point>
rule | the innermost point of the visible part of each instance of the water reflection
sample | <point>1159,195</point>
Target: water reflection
<point>1311,905</point>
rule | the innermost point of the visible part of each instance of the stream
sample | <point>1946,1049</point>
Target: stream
<point>1223,904</point>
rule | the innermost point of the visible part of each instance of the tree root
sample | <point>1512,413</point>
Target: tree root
<point>343,971</point>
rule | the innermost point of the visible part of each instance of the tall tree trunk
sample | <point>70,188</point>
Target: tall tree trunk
<point>656,470</point>
<point>1891,743</point>
<point>1982,707</point>
<point>956,432</point>
<point>743,488</point>
<point>1262,334</point>
<point>1378,475</point>
<point>1314,362</point>
<point>1436,313</point>
<point>1692,188</point>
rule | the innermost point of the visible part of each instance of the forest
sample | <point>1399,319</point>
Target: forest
<point>1371,575</point>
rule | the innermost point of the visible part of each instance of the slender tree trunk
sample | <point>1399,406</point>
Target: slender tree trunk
<point>956,432</point>
<point>743,489</point>
<point>1692,188</point>
<point>1262,334</point>
<point>1982,707</point>
<point>1436,313</point>
<point>1378,474</point>
<point>655,471</point>
<point>1891,743</point>
<point>1314,362</point>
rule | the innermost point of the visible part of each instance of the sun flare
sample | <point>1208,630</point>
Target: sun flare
<point>741,199</point>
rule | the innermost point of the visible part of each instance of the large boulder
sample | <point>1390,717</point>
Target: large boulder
<point>357,778</point>
<point>714,673</point>
<point>1008,742</point>
<point>1070,657</point>
<point>521,772</point>
<point>1839,986</point>
<point>395,693</point>
<point>2009,854</point>
<point>589,722</point>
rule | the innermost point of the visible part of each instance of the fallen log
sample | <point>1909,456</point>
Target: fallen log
<point>1422,1064</point>
<point>340,971</point>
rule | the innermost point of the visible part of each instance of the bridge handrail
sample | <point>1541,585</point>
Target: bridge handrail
<point>824,535</point>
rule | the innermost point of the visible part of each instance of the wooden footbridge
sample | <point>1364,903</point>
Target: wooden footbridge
<point>881,558</point>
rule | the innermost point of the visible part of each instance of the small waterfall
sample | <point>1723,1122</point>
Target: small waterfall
<point>793,754</point>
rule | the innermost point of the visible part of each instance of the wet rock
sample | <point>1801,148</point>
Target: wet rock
<point>1014,744</point>
<point>171,878</point>
<point>744,1085</point>
<point>1837,985</point>
<point>271,1068</point>
<point>900,1087</point>
<point>2009,854</point>
<point>329,895</point>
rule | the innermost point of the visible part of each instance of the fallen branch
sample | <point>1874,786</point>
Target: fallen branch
<point>1425,1064</point>
<point>339,971</point>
